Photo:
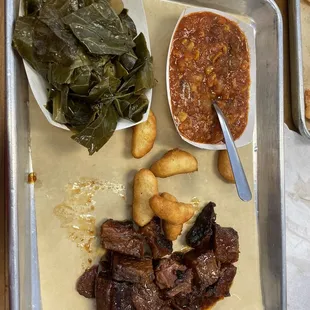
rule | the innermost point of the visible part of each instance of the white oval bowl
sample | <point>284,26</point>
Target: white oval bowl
<point>39,86</point>
<point>249,31</point>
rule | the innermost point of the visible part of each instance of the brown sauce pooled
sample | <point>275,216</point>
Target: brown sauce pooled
<point>209,60</point>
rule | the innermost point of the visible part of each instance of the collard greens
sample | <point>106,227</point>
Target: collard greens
<point>97,66</point>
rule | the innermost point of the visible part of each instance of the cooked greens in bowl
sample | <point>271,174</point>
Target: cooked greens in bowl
<point>96,66</point>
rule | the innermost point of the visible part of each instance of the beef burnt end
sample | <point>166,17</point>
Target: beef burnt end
<point>121,237</point>
<point>104,285</point>
<point>182,285</point>
<point>121,296</point>
<point>226,244</point>
<point>191,301</point>
<point>126,280</point>
<point>147,297</point>
<point>227,275</point>
<point>131,269</point>
<point>177,256</point>
<point>201,232</point>
<point>174,277</point>
<point>86,283</point>
<point>221,288</point>
<point>103,292</point>
<point>112,295</point>
<point>160,246</point>
<point>167,272</point>
<point>205,268</point>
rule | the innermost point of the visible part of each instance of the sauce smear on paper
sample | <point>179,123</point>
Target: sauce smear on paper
<point>76,212</point>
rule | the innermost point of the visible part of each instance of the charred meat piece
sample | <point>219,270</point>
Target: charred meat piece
<point>167,273</point>
<point>177,256</point>
<point>104,285</point>
<point>103,293</point>
<point>205,268</point>
<point>182,285</point>
<point>87,281</point>
<point>121,237</point>
<point>160,246</point>
<point>191,301</point>
<point>126,280</point>
<point>174,277</point>
<point>226,244</point>
<point>131,269</point>
<point>111,295</point>
<point>201,232</point>
<point>146,297</point>
<point>121,296</point>
<point>221,288</point>
<point>227,275</point>
<point>105,268</point>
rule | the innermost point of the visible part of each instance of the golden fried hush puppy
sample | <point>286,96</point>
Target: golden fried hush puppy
<point>174,162</point>
<point>171,211</point>
<point>145,187</point>
<point>224,166</point>
<point>143,137</point>
<point>172,231</point>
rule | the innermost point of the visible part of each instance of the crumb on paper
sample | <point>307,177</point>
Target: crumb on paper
<point>307,103</point>
<point>195,202</point>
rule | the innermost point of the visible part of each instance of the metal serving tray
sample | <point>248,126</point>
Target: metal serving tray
<point>268,158</point>
<point>297,74</point>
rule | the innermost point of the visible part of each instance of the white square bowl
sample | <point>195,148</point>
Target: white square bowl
<point>249,30</point>
<point>39,86</point>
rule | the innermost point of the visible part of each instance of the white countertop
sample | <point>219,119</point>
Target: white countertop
<point>297,188</point>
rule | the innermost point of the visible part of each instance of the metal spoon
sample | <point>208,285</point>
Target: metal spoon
<point>242,184</point>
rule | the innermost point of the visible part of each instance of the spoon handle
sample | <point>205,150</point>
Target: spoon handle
<point>242,184</point>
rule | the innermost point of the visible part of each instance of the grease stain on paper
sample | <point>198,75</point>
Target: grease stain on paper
<point>76,212</point>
